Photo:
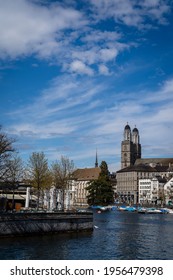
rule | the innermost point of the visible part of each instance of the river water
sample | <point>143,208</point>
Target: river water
<point>116,235</point>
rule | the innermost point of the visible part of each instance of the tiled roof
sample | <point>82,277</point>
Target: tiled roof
<point>156,161</point>
<point>149,165</point>
<point>137,168</point>
<point>86,174</point>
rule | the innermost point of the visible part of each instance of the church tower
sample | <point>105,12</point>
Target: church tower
<point>96,162</point>
<point>136,143</point>
<point>130,147</point>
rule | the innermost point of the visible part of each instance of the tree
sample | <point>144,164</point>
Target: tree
<point>6,151</point>
<point>104,170</point>
<point>61,173</point>
<point>15,171</point>
<point>14,174</point>
<point>100,191</point>
<point>38,174</point>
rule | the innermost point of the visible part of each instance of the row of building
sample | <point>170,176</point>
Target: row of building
<point>140,180</point>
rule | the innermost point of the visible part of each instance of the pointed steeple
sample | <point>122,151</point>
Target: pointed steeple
<point>96,162</point>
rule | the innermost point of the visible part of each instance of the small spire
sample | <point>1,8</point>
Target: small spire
<point>96,162</point>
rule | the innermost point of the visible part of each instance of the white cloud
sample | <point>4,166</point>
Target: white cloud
<point>75,113</point>
<point>58,109</point>
<point>103,70</point>
<point>156,9</point>
<point>88,56</point>
<point>79,67</point>
<point>97,54</point>
<point>67,35</point>
<point>86,113</point>
<point>57,32</point>
<point>101,36</point>
<point>57,128</point>
<point>168,87</point>
<point>108,54</point>
<point>27,27</point>
<point>132,13</point>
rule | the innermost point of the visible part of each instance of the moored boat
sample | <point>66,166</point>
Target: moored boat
<point>122,208</point>
<point>164,210</point>
<point>126,208</point>
<point>142,210</point>
<point>131,208</point>
<point>153,211</point>
<point>169,211</point>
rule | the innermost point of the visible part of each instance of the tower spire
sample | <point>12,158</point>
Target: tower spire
<point>96,162</point>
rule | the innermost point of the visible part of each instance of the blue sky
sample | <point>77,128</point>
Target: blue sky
<point>73,73</point>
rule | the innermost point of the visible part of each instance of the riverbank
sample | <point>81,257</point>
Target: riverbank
<point>116,236</point>
<point>30,223</point>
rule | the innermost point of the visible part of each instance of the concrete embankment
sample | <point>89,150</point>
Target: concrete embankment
<point>28,223</point>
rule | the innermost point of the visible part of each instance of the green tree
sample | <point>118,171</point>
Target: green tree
<point>104,170</point>
<point>61,173</point>
<point>38,174</point>
<point>100,191</point>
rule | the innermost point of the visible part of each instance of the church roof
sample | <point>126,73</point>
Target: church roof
<point>127,126</point>
<point>148,166</point>
<point>86,174</point>
<point>154,161</point>
<point>137,168</point>
<point>135,130</point>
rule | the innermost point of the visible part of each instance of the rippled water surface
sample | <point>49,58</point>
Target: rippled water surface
<point>117,235</point>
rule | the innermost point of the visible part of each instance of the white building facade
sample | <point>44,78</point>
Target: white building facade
<point>151,190</point>
<point>168,191</point>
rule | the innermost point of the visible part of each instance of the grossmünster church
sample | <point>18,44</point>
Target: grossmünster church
<point>133,167</point>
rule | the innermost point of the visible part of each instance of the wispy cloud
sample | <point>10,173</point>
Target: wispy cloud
<point>132,13</point>
<point>89,120</point>
<point>95,49</point>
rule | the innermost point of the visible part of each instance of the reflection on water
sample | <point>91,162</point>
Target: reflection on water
<point>117,236</point>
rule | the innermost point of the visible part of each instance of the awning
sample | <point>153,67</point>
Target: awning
<point>18,197</point>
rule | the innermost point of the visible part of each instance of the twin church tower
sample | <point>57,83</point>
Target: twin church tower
<point>130,147</point>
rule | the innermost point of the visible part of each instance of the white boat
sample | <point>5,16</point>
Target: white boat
<point>170,211</point>
<point>142,210</point>
<point>126,208</point>
<point>153,211</point>
<point>103,208</point>
<point>131,208</point>
<point>122,208</point>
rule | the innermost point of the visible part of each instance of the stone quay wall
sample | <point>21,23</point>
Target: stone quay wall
<point>13,224</point>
